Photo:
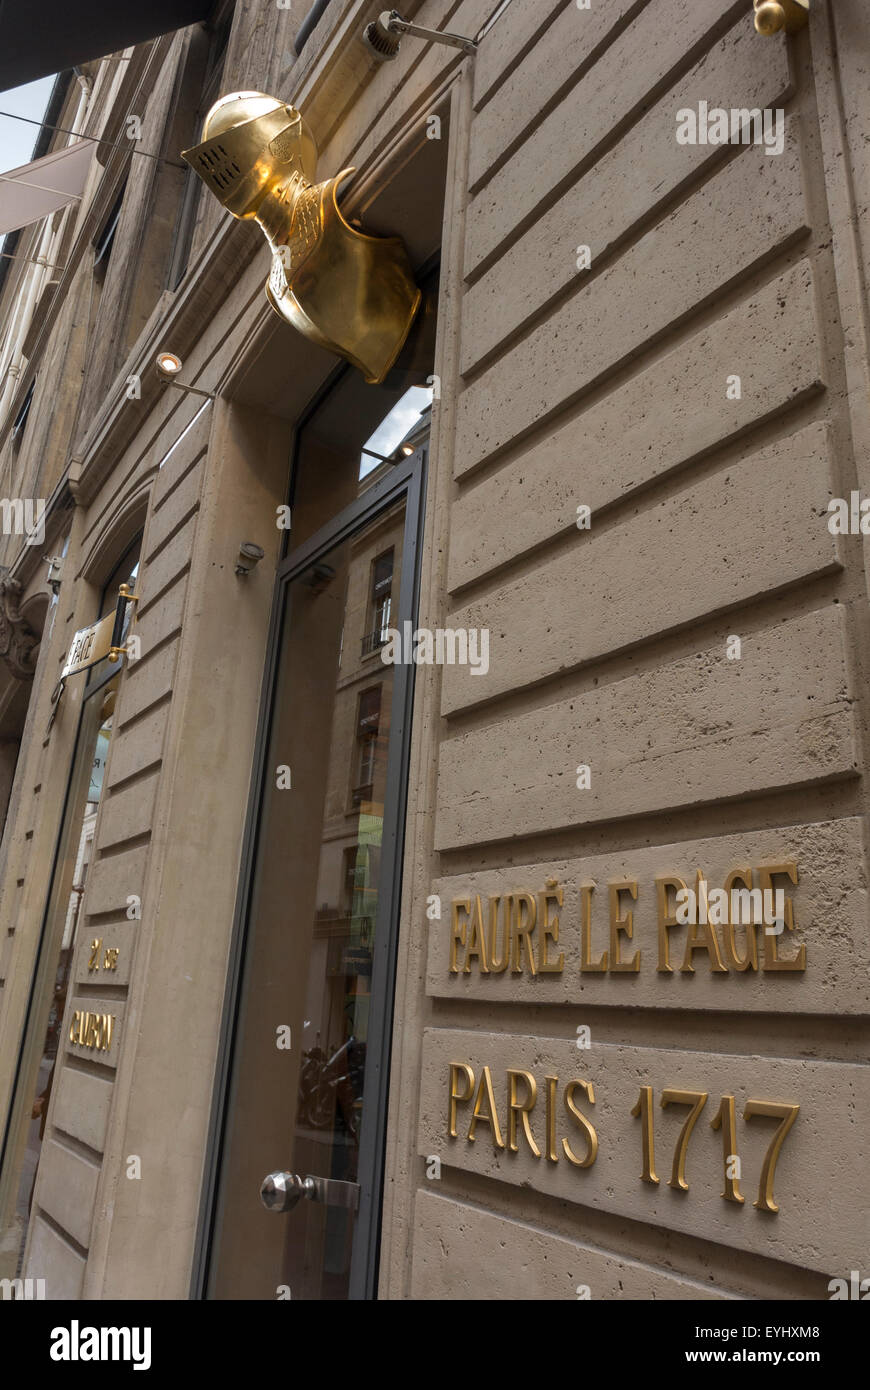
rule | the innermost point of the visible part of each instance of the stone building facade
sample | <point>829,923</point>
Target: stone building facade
<point>639,378</point>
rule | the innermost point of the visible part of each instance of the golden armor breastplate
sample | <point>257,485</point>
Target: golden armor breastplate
<point>348,292</point>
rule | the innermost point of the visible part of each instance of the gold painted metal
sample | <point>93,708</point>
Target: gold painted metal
<point>619,925</point>
<point>743,876</point>
<point>93,1031</point>
<point>498,964</point>
<point>522,1108</point>
<point>700,935</point>
<point>115,653</point>
<point>550,928</point>
<point>484,1109</point>
<point>110,958</point>
<point>348,292</point>
<point>522,925</point>
<point>787,1112</point>
<point>552,1084</point>
<point>643,1110</point>
<point>726,1120</point>
<point>458,1069</point>
<point>588,966</point>
<point>697,1099</point>
<point>772,961</point>
<point>776,16</point>
<point>585,1124</point>
<point>666,919</point>
<point>476,940</point>
<point>458,930</point>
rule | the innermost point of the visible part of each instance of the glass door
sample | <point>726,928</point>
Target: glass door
<point>299,1141</point>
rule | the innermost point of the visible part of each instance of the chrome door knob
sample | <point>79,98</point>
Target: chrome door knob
<point>281,1191</point>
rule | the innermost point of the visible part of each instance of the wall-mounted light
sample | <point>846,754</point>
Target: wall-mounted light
<point>250,556</point>
<point>168,366</point>
<point>383,35</point>
<point>774,16</point>
<point>55,569</point>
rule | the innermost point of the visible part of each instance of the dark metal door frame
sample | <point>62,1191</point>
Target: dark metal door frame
<point>406,480</point>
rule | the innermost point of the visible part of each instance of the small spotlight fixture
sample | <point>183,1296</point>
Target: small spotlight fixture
<point>55,571</point>
<point>168,365</point>
<point>383,36</point>
<point>407,450</point>
<point>250,556</point>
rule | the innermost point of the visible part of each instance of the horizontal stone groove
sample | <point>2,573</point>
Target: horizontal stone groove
<point>637,182</point>
<point>791,1036</point>
<point>170,537</point>
<point>555,98</point>
<point>90,1068</point>
<point>640,658</point>
<point>556,187</point>
<point>76,1146</point>
<point>665,1248</point>
<point>128,725</point>
<point>61,1234</point>
<point>789,807</point>
<point>139,775</point>
<point>154,599</point>
<point>785,486</point>
<point>548,370</point>
<point>102,990</point>
<point>643,356</point>
<point>100,920</point>
<point>806,786</point>
<point>494,84</point>
<point>784,420</point>
<point>123,847</point>
<point>182,476</point>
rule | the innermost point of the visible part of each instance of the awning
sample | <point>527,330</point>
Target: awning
<point>36,41</point>
<point>34,190</point>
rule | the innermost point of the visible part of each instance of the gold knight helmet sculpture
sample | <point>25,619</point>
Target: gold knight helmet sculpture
<point>348,292</point>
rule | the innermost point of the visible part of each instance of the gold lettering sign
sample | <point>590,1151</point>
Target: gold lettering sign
<point>97,958</point>
<point>93,1031</point>
<point>89,645</point>
<point>733,928</point>
<point>519,1096</point>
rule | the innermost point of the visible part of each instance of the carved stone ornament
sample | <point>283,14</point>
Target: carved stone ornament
<point>18,642</point>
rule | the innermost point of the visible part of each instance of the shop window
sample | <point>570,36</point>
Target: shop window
<point>63,963</point>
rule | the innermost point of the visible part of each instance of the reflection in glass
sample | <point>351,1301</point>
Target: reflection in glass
<point>403,419</point>
<point>312,918</point>
<point>43,1044</point>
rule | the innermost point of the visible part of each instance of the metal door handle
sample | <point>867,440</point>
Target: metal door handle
<point>282,1191</point>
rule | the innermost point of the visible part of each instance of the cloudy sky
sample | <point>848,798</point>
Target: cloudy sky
<point>17,138</point>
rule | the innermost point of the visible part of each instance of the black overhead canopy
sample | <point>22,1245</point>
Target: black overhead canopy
<point>40,37</point>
